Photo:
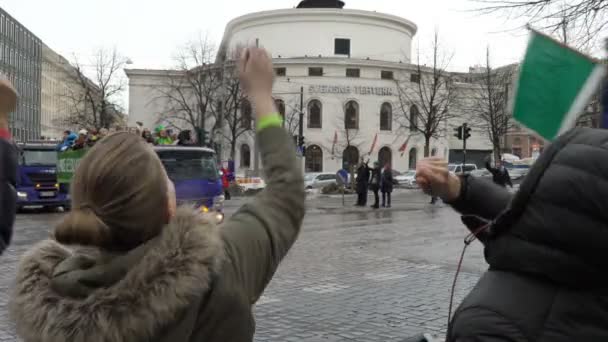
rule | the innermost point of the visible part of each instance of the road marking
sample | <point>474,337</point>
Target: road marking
<point>325,288</point>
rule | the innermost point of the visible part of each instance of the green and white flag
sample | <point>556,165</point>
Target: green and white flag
<point>555,84</point>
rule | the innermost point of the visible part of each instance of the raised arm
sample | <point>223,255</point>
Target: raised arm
<point>468,195</point>
<point>261,233</point>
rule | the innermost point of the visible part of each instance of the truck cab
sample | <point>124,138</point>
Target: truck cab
<point>37,177</point>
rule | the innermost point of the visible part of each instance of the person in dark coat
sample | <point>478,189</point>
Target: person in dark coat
<point>127,265</point>
<point>546,245</point>
<point>374,184</point>
<point>363,174</point>
<point>500,174</point>
<point>8,165</point>
<point>386,186</point>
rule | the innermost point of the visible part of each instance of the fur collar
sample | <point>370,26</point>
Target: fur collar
<point>172,274</point>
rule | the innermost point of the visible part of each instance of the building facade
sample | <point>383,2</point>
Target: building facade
<point>20,62</point>
<point>60,94</point>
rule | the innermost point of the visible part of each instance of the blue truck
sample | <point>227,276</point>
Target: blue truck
<point>37,177</point>
<point>193,170</point>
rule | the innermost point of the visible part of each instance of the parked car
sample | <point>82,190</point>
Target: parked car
<point>406,179</point>
<point>481,173</point>
<point>460,168</point>
<point>319,180</point>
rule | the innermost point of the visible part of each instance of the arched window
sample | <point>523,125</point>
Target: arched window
<point>245,156</point>
<point>385,156</point>
<point>413,158</point>
<point>351,115</point>
<point>280,104</point>
<point>246,116</point>
<point>386,117</point>
<point>434,152</point>
<point>350,156</point>
<point>414,114</point>
<point>315,112</point>
<point>314,159</point>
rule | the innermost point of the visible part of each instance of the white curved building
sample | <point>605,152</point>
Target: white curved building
<point>345,63</point>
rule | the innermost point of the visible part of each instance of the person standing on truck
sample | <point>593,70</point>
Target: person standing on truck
<point>500,175</point>
<point>126,265</point>
<point>8,165</point>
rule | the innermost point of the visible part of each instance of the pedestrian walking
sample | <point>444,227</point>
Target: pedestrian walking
<point>363,174</point>
<point>227,177</point>
<point>545,245</point>
<point>500,174</point>
<point>386,187</point>
<point>126,265</point>
<point>8,165</point>
<point>375,184</point>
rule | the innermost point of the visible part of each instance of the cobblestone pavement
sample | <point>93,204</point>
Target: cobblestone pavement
<point>354,274</point>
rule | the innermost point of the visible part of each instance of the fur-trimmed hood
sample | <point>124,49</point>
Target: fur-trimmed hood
<point>132,297</point>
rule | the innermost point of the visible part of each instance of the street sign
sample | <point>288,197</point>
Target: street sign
<point>342,177</point>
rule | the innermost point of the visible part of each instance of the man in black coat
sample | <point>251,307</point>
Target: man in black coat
<point>363,174</point>
<point>8,165</point>
<point>500,174</point>
<point>546,245</point>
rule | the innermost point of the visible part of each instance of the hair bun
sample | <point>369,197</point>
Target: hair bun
<point>82,226</point>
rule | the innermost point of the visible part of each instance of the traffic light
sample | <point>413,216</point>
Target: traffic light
<point>301,141</point>
<point>458,133</point>
<point>467,132</point>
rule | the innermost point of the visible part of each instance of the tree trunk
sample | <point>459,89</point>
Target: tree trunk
<point>427,143</point>
<point>496,145</point>
<point>233,150</point>
<point>199,136</point>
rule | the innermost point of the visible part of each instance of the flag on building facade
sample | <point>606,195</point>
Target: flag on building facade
<point>333,146</point>
<point>554,86</point>
<point>371,150</point>
<point>403,147</point>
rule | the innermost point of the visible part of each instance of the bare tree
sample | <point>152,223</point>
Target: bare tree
<point>291,118</point>
<point>489,103</point>
<point>349,140</point>
<point>426,96</point>
<point>578,22</point>
<point>94,102</point>
<point>235,110</point>
<point>191,90</point>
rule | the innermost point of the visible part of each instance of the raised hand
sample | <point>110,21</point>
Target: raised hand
<point>433,177</point>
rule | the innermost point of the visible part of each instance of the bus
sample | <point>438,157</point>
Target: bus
<point>193,170</point>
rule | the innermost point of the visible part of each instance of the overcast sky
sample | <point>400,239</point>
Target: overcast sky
<point>148,32</point>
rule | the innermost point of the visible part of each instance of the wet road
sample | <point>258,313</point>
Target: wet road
<point>354,274</point>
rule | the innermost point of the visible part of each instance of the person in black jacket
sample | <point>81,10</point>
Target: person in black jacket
<point>545,246</point>
<point>386,185</point>
<point>375,184</point>
<point>500,175</point>
<point>362,183</point>
<point>8,165</point>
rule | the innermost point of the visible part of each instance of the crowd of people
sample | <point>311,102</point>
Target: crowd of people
<point>125,264</point>
<point>377,179</point>
<point>87,138</point>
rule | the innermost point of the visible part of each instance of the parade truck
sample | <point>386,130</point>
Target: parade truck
<point>37,184</point>
<point>193,170</point>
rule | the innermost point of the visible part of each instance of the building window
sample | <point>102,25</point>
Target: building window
<point>246,112</point>
<point>351,115</point>
<point>314,159</point>
<point>280,72</point>
<point>414,114</point>
<point>385,156</point>
<point>245,156</point>
<point>353,72</point>
<point>315,71</point>
<point>315,114</point>
<point>350,157</point>
<point>386,117</point>
<point>434,152</point>
<point>386,75</point>
<point>342,47</point>
<point>415,78</point>
<point>280,104</point>
<point>413,158</point>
